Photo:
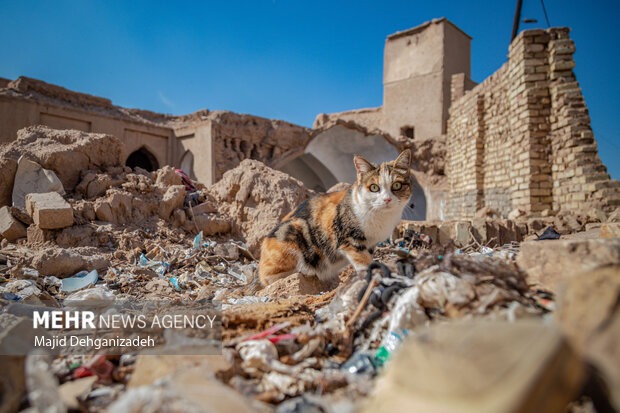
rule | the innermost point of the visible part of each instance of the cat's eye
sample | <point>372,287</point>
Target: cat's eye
<point>396,186</point>
<point>374,188</point>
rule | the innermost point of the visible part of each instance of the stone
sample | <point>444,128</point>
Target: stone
<point>204,208</point>
<point>120,203</point>
<point>103,212</point>
<point>597,215</point>
<point>61,262</point>
<point>49,210</point>
<point>444,233</point>
<point>587,302</point>
<point>10,228</point>
<point>429,228</point>
<point>36,235</point>
<point>21,215</point>
<point>547,213</point>
<point>189,389</point>
<point>614,216</point>
<point>179,217</point>
<point>227,250</point>
<point>486,212</point>
<point>98,186</point>
<point>295,284</point>
<point>573,223</point>
<point>480,366</point>
<point>610,230</point>
<point>549,262</point>
<point>589,316</point>
<point>212,224</point>
<point>8,167</point>
<point>593,225</point>
<point>166,177</point>
<point>462,235</point>
<point>515,213</point>
<point>173,198</point>
<point>66,152</point>
<point>32,178</point>
<point>72,391</point>
<point>12,371</point>
<point>479,229</point>
<point>148,369</point>
<point>12,382</point>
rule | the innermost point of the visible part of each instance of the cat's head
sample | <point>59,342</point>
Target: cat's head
<point>385,187</point>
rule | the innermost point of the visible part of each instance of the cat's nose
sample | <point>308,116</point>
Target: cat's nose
<point>387,200</point>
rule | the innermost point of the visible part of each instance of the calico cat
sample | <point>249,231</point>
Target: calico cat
<point>328,231</point>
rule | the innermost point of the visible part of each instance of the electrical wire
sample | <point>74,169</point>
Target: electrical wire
<point>542,2</point>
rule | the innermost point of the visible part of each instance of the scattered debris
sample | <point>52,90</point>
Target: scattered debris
<point>445,309</point>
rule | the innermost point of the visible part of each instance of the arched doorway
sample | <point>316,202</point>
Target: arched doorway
<point>142,158</point>
<point>311,172</point>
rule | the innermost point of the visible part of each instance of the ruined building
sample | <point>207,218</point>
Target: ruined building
<point>519,140</point>
<point>522,138</point>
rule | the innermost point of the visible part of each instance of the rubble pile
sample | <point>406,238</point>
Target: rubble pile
<point>454,316</point>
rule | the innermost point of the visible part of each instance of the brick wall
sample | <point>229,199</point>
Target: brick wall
<point>522,138</point>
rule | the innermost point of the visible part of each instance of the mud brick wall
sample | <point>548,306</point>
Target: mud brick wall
<point>522,138</point>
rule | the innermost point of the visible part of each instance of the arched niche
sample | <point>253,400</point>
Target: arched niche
<point>142,158</point>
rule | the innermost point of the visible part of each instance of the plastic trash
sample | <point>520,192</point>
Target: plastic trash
<point>390,343</point>
<point>549,233</point>
<point>99,366</point>
<point>160,267</point>
<point>438,288</point>
<point>407,313</point>
<point>10,297</point>
<point>268,332</point>
<point>240,276</point>
<point>100,294</point>
<point>247,299</point>
<point>80,280</point>
<point>24,289</point>
<point>486,250</point>
<point>52,284</point>
<point>257,352</point>
<point>199,242</point>
<point>360,363</point>
<point>175,282</point>
<point>303,403</point>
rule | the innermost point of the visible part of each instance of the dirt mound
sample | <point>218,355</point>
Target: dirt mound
<point>66,152</point>
<point>257,197</point>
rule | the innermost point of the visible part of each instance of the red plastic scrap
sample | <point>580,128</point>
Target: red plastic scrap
<point>269,334</point>
<point>81,372</point>
<point>275,339</point>
<point>98,365</point>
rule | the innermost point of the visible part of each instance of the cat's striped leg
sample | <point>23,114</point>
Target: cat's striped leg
<point>358,255</point>
<point>278,260</point>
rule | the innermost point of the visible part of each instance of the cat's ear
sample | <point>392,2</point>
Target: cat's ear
<point>362,165</point>
<point>404,160</point>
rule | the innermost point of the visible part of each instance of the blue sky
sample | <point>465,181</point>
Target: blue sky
<point>281,59</point>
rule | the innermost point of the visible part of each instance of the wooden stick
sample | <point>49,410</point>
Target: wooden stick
<point>371,285</point>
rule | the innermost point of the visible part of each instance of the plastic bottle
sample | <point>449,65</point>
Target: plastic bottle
<point>390,343</point>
